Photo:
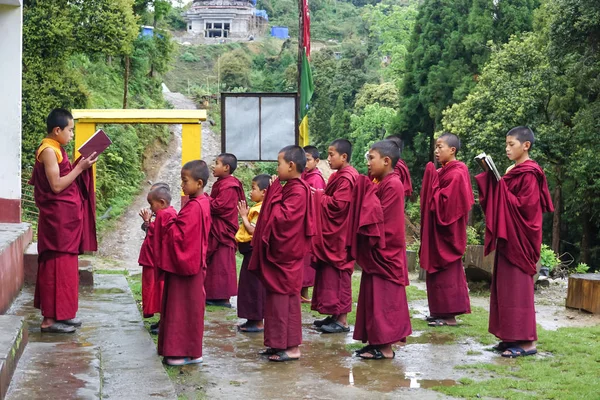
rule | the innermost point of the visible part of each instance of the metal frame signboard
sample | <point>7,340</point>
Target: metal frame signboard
<point>255,126</point>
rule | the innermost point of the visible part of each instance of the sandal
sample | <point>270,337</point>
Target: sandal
<point>363,350</point>
<point>283,357</point>
<point>440,322</point>
<point>245,328</point>
<point>518,352</point>
<point>268,352</point>
<point>335,327</point>
<point>376,355</point>
<point>183,361</point>
<point>503,346</point>
<point>325,321</point>
<point>58,327</point>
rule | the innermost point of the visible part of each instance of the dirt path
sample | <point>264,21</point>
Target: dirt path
<point>123,244</point>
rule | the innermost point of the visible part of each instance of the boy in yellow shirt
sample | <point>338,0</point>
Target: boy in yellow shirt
<point>251,292</point>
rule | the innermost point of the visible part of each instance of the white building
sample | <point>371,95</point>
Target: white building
<point>224,19</point>
<point>11,44</point>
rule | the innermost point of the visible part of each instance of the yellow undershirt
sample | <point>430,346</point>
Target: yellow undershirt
<point>242,235</point>
<point>49,143</point>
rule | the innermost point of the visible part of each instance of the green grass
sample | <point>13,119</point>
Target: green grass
<point>111,272</point>
<point>568,368</point>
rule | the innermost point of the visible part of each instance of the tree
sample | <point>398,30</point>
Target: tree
<point>448,48</point>
<point>340,120</point>
<point>385,94</point>
<point>234,69</point>
<point>371,126</point>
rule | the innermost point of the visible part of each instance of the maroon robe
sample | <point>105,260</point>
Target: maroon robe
<point>446,198</point>
<point>251,292</point>
<point>402,170</point>
<point>184,262</point>
<point>314,178</point>
<point>62,235</point>
<point>513,210</point>
<point>280,241</point>
<point>382,315</point>
<point>221,276</point>
<point>333,284</point>
<point>145,259</point>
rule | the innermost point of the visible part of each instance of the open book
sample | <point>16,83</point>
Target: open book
<point>98,142</point>
<point>487,164</point>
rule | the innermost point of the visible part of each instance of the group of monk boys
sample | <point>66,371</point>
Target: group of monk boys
<point>301,232</point>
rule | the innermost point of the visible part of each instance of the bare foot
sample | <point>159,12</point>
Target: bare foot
<point>48,322</point>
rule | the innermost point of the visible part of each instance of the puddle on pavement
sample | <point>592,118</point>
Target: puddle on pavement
<point>428,337</point>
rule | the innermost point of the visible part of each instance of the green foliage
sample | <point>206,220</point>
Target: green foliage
<point>189,57</point>
<point>385,94</point>
<point>367,129</point>
<point>548,258</point>
<point>582,268</point>
<point>473,237</point>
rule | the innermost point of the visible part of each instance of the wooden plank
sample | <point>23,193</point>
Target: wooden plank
<point>146,116</point>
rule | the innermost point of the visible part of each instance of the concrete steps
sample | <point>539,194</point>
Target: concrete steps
<point>111,355</point>
<point>14,238</point>
<point>13,339</point>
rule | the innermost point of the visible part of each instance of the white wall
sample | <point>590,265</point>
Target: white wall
<point>11,18</point>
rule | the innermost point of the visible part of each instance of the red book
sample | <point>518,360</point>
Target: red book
<point>98,142</point>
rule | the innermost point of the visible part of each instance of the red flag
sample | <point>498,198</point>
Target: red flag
<point>306,27</point>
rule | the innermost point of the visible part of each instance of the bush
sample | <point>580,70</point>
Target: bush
<point>473,237</point>
<point>582,268</point>
<point>548,258</point>
<point>189,57</point>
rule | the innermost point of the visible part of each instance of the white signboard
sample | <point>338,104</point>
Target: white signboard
<point>255,126</point>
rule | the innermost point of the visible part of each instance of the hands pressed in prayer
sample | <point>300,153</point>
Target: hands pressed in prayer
<point>146,214</point>
<point>243,209</point>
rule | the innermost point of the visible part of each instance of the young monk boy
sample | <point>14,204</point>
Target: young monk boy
<point>61,234</point>
<point>281,239</point>
<point>183,258</point>
<point>513,210</point>
<point>313,176</point>
<point>332,294</point>
<point>401,168</point>
<point>159,199</point>
<point>446,198</point>
<point>226,193</point>
<point>382,316</point>
<point>251,292</point>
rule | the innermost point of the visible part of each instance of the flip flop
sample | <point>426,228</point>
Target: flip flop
<point>325,321</point>
<point>518,352</point>
<point>430,318</point>
<point>335,327</point>
<point>246,329</point>
<point>304,300</point>
<point>268,352</point>
<point>503,346</point>
<point>283,357</point>
<point>377,355</point>
<point>58,327</point>
<point>186,361</point>
<point>440,322</point>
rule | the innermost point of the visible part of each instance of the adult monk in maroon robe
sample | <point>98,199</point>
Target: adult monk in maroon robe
<point>227,191</point>
<point>184,261</point>
<point>382,315</point>
<point>314,178</point>
<point>332,294</point>
<point>446,198</point>
<point>60,194</point>
<point>151,286</point>
<point>513,210</point>
<point>280,241</point>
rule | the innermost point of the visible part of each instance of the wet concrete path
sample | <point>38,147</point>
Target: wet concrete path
<point>110,356</point>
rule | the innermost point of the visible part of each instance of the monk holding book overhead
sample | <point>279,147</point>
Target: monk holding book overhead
<point>446,198</point>
<point>513,208</point>
<point>64,195</point>
<point>280,241</point>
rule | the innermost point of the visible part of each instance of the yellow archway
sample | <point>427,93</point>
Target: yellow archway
<point>191,133</point>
